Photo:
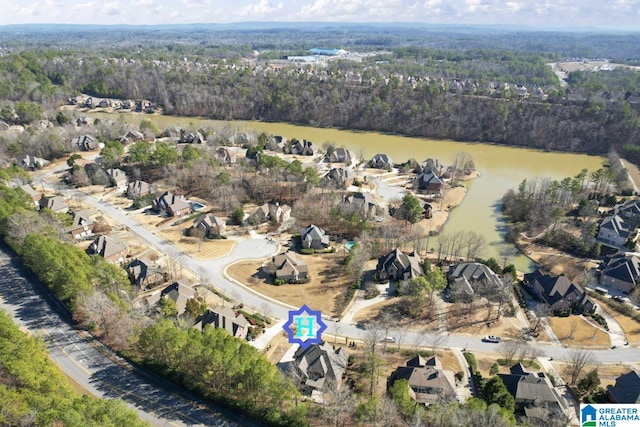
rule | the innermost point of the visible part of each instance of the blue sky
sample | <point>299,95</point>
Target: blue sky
<point>558,13</point>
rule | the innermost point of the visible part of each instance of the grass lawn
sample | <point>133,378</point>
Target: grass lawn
<point>584,333</point>
<point>325,291</point>
<point>606,372</point>
<point>474,323</point>
<point>486,360</point>
<point>208,249</point>
<point>630,327</point>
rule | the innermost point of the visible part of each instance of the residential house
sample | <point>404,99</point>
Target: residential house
<point>191,137</point>
<point>558,292</point>
<point>82,226</point>
<point>397,265</point>
<point>172,205</point>
<point>56,203</point>
<point>227,319</point>
<point>144,274</point>
<point>313,237</point>
<point>428,382</point>
<point>138,189</point>
<point>532,389</point>
<point>361,203</point>
<point>270,212</point>
<point>33,162</point>
<point>91,102</point>
<point>620,271</point>
<point>276,143</point>
<point>626,389</point>
<point>226,156</point>
<point>173,132</point>
<point>118,178</point>
<point>320,367</point>
<point>32,193</point>
<point>429,183</point>
<point>381,161</point>
<point>336,178</point>
<point>344,156</point>
<point>302,148</point>
<point>85,142</point>
<point>178,291</point>
<point>131,136</point>
<point>211,226</point>
<point>522,92</point>
<point>629,210</point>
<point>432,165</point>
<point>112,249</point>
<point>615,231</point>
<point>127,104</point>
<point>470,277</point>
<point>105,103</point>
<point>288,267</point>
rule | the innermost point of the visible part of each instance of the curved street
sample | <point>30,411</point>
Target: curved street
<point>259,247</point>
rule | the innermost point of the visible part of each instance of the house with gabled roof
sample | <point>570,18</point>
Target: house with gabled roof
<point>270,212</point>
<point>57,204</point>
<point>118,178</point>
<point>226,318</point>
<point>110,248</point>
<point>178,291</point>
<point>276,143</point>
<point>344,156</point>
<point>428,382</point>
<point>138,188</point>
<point>85,142</point>
<point>429,183</point>
<point>629,210</point>
<point>191,137</point>
<point>82,226</point>
<point>558,292</point>
<point>397,265</point>
<point>470,277</point>
<point>320,367</point>
<point>144,273</point>
<point>33,162</point>
<point>381,161</point>
<point>36,196</point>
<point>614,231</point>
<point>172,205</point>
<point>626,389</point>
<point>131,136</point>
<point>620,271</point>
<point>336,178</point>
<point>313,237</point>
<point>532,389</point>
<point>431,165</point>
<point>211,225</point>
<point>362,203</point>
<point>302,148</point>
<point>288,267</point>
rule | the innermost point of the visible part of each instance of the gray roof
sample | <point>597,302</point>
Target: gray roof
<point>626,388</point>
<point>555,288</point>
<point>396,260</point>
<point>313,232</point>
<point>321,366</point>
<point>427,379</point>
<point>106,246</point>
<point>529,388</point>
<point>56,203</point>
<point>473,274</point>
<point>624,266</point>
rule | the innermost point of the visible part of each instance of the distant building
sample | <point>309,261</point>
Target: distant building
<point>320,367</point>
<point>288,267</point>
<point>470,277</point>
<point>82,226</point>
<point>428,382</point>
<point>112,249</point>
<point>620,271</point>
<point>314,237</point>
<point>56,203</point>
<point>172,205</point>
<point>227,319</point>
<point>396,265</point>
<point>381,161</point>
<point>327,52</point>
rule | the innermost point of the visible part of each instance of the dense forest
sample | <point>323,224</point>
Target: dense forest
<point>407,87</point>
<point>34,392</point>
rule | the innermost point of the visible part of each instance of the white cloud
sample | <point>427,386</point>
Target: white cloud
<point>263,8</point>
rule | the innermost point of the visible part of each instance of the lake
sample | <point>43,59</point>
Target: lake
<point>501,167</point>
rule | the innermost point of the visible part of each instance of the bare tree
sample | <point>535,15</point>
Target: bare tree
<point>97,309</point>
<point>338,404</point>
<point>437,339</point>
<point>508,349</point>
<point>575,362</point>
<point>506,253</point>
<point>573,327</point>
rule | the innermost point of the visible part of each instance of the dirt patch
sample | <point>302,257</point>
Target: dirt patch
<point>473,320</point>
<point>576,331</point>
<point>325,292</point>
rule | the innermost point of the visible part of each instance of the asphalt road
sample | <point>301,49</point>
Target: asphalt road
<point>257,248</point>
<point>94,367</point>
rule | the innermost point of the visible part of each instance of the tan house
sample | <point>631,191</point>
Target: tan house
<point>532,389</point>
<point>211,226</point>
<point>428,382</point>
<point>320,367</point>
<point>226,318</point>
<point>131,136</point>
<point>288,267</point>
<point>138,189</point>
<point>172,205</point>
<point>56,203</point>
<point>178,292</point>
<point>118,178</point>
<point>86,142</point>
<point>82,226</point>
<point>270,212</point>
<point>112,249</point>
<point>31,192</point>
<point>471,277</point>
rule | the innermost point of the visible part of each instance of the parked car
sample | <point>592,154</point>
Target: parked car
<point>491,338</point>
<point>389,339</point>
<point>618,298</point>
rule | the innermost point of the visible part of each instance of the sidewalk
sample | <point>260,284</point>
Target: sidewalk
<point>361,303</point>
<point>263,340</point>
<point>616,334</point>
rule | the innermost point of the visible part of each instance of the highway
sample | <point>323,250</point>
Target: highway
<point>94,367</point>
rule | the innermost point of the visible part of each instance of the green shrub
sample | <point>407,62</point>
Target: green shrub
<point>279,282</point>
<point>307,251</point>
<point>471,360</point>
